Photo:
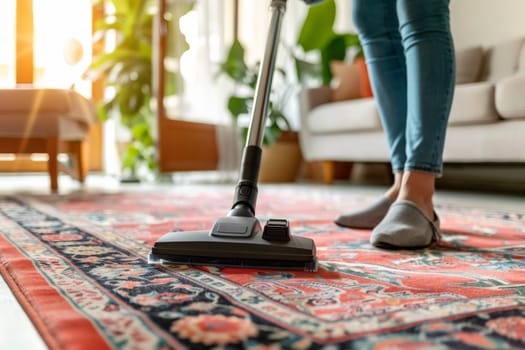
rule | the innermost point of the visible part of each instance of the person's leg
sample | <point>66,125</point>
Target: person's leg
<point>430,73</point>
<point>411,222</point>
<point>378,28</point>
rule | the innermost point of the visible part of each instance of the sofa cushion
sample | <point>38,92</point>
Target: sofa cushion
<point>510,102</point>
<point>468,64</point>
<point>473,104</point>
<point>501,60</point>
<point>45,112</point>
<point>347,80</point>
<point>353,115</point>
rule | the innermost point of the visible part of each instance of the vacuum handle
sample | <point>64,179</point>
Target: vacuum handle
<point>264,79</point>
<point>266,69</point>
<point>245,198</point>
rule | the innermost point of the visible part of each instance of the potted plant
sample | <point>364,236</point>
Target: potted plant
<point>241,100</point>
<point>127,73</point>
<point>317,34</point>
<point>281,154</point>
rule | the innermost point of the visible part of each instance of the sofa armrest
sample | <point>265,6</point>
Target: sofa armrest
<point>510,103</point>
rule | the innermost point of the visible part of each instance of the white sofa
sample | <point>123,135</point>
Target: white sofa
<point>486,124</point>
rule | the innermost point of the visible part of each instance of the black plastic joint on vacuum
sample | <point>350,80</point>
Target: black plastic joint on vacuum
<point>250,165</point>
<point>245,199</point>
<point>246,189</point>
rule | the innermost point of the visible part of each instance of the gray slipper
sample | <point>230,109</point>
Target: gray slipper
<point>405,226</point>
<point>366,218</point>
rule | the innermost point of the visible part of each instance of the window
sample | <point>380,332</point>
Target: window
<point>7,43</point>
<point>56,40</point>
<point>62,43</point>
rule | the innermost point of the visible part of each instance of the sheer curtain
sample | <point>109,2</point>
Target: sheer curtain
<point>7,43</point>
<point>209,30</point>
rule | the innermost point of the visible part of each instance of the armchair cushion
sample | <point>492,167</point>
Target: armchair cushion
<point>335,117</point>
<point>45,113</point>
<point>34,120</point>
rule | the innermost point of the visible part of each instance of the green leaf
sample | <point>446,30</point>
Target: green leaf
<point>352,39</point>
<point>174,83</point>
<point>316,30</point>
<point>101,113</point>
<point>131,156</point>
<point>234,66</point>
<point>130,100</point>
<point>239,105</point>
<point>306,70</point>
<point>141,133</point>
<point>335,50</point>
<point>277,118</point>
<point>317,34</point>
<point>271,134</point>
<point>244,133</point>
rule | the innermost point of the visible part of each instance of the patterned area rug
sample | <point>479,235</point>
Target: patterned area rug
<point>77,264</point>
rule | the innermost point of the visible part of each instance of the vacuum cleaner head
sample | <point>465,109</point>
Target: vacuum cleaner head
<point>237,239</point>
<point>238,242</point>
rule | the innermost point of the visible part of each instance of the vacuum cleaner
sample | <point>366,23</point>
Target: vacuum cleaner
<point>239,239</point>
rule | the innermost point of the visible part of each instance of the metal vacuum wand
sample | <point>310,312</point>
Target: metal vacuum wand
<point>239,239</point>
<point>245,197</point>
<point>266,69</point>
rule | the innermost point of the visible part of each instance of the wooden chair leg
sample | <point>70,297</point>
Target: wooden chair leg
<point>328,171</point>
<point>52,163</point>
<point>80,160</point>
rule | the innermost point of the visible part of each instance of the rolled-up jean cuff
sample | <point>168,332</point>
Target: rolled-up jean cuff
<point>438,171</point>
<point>397,169</point>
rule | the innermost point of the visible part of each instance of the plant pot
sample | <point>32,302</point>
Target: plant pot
<point>364,79</point>
<point>281,161</point>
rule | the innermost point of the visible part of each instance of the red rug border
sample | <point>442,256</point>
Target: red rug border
<point>9,250</point>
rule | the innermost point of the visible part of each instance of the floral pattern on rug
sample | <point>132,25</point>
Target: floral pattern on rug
<point>90,250</point>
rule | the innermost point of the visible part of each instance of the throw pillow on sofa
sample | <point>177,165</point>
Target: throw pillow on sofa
<point>347,81</point>
<point>351,80</point>
<point>364,81</point>
<point>468,64</point>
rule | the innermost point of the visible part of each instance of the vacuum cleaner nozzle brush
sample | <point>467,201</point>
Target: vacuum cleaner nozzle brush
<point>238,242</point>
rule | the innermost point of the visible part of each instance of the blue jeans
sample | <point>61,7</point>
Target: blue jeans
<point>410,56</point>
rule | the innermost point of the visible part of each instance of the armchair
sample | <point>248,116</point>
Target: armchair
<point>50,121</point>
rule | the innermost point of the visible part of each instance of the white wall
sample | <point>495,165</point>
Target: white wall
<point>486,22</point>
<point>473,22</point>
